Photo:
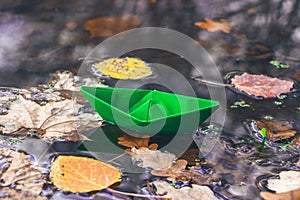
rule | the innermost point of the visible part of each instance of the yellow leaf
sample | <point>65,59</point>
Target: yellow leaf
<point>123,68</point>
<point>82,174</point>
<point>213,26</point>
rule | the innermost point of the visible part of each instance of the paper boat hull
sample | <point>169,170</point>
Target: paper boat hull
<point>149,111</point>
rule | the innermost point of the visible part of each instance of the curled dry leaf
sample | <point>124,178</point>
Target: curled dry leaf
<point>82,174</point>
<point>19,171</point>
<point>136,141</point>
<point>196,192</point>
<point>213,26</point>
<point>276,130</point>
<point>108,26</point>
<point>288,181</point>
<point>261,85</point>
<point>122,68</point>
<point>155,159</point>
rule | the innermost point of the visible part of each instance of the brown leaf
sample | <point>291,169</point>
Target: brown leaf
<point>191,156</point>
<point>213,26</point>
<point>108,26</point>
<point>136,141</point>
<point>296,142</point>
<point>21,172</point>
<point>173,171</point>
<point>196,192</point>
<point>261,85</point>
<point>276,130</point>
<point>155,159</point>
<point>82,174</point>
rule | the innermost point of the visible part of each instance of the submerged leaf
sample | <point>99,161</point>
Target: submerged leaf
<point>276,130</point>
<point>261,85</point>
<point>82,174</point>
<point>196,192</point>
<point>108,26</point>
<point>137,142</point>
<point>155,159</point>
<point>213,26</point>
<point>123,68</point>
<point>291,195</point>
<point>20,172</point>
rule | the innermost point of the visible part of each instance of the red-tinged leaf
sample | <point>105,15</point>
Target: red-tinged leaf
<point>82,174</point>
<point>261,85</point>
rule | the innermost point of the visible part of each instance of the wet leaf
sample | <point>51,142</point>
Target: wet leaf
<point>291,195</point>
<point>276,130</point>
<point>155,159</point>
<point>213,26</point>
<point>296,142</point>
<point>261,85</point>
<point>288,181</point>
<point>196,192</point>
<point>18,195</point>
<point>108,26</point>
<point>82,174</point>
<point>123,68</point>
<point>172,172</point>
<point>19,171</point>
<point>136,141</point>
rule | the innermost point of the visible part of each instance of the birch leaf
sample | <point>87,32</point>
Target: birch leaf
<point>82,174</point>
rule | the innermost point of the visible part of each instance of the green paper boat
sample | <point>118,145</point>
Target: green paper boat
<point>149,111</point>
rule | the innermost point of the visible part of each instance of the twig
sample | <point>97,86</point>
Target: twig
<point>211,82</point>
<point>139,195</point>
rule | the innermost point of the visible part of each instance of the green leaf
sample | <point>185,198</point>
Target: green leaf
<point>263,132</point>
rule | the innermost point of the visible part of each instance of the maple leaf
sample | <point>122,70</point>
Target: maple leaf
<point>20,172</point>
<point>155,159</point>
<point>196,192</point>
<point>122,68</point>
<point>213,26</point>
<point>108,26</point>
<point>261,85</point>
<point>82,174</point>
<point>136,141</point>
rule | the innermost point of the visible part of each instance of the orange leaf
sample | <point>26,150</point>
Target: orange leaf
<point>82,174</point>
<point>108,26</point>
<point>137,142</point>
<point>213,26</point>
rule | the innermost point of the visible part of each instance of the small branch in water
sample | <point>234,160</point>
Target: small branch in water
<point>211,82</point>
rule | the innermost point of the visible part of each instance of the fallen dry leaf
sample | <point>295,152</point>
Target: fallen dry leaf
<point>296,142</point>
<point>12,194</point>
<point>291,195</point>
<point>172,172</point>
<point>213,26</point>
<point>276,130</point>
<point>288,181</point>
<point>122,68</point>
<point>261,85</point>
<point>108,26</point>
<point>136,141</point>
<point>82,174</point>
<point>55,119</point>
<point>196,192</point>
<point>155,159</point>
<point>19,171</point>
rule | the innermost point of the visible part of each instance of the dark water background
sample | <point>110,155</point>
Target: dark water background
<point>35,41</point>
